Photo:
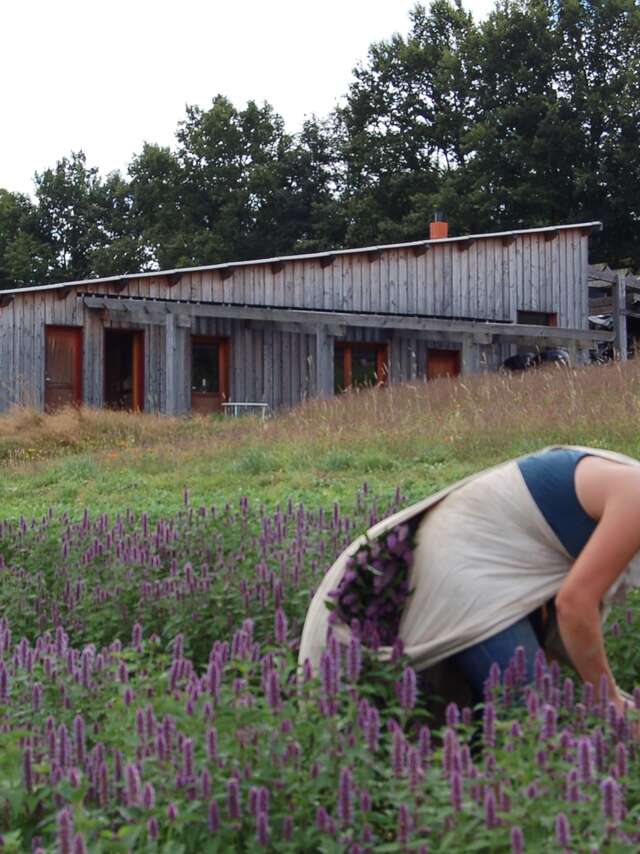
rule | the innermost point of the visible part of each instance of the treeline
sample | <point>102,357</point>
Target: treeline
<point>531,117</point>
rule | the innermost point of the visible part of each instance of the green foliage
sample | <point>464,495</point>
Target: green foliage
<point>114,720</point>
<point>529,117</point>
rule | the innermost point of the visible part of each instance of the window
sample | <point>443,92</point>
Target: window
<point>205,372</point>
<point>360,365</point>
<point>537,318</point>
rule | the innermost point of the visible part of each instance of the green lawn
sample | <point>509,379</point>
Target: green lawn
<point>418,437</point>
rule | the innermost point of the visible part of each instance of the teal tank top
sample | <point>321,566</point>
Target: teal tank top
<point>550,478</point>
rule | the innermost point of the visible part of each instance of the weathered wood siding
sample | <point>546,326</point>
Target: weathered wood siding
<point>487,279</point>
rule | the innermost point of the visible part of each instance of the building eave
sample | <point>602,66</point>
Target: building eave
<point>277,262</point>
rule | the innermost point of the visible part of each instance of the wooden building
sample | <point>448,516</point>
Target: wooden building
<point>279,330</point>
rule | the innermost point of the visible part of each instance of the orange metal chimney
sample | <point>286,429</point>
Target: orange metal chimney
<point>439,228</point>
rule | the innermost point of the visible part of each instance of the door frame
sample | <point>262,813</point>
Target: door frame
<point>78,332</point>
<point>223,342</point>
<point>137,378</point>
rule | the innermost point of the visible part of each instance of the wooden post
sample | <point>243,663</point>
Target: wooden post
<point>170,364</point>
<point>469,355</point>
<point>324,362</point>
<point>619,294</point>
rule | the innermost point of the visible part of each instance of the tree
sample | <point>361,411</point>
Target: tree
<point>69,215</point>
<point>25,258</point>
<point>404,125</point>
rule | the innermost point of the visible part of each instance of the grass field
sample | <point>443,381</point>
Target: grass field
<point>417,436</point>
<point>154,577</point>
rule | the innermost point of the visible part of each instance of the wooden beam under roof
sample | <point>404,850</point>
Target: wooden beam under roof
<point>366,320</point>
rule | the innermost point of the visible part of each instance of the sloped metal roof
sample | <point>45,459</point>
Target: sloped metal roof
<point>308,257</point>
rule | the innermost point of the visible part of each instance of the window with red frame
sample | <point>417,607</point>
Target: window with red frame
<point>360,365</point>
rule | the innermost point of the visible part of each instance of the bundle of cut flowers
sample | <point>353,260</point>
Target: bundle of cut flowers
<point>375,586</point>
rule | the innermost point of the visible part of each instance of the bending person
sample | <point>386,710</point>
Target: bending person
<point>506,555</point>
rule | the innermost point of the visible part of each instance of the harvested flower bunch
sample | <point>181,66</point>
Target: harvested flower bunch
<point>375,586</point>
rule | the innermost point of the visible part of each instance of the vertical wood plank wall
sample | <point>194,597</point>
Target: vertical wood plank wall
<point>489,279</point>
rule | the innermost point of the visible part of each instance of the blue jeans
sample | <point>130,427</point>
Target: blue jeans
<point>475,661</point>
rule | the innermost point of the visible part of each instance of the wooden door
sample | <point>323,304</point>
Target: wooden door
<point>442,363</point>
<point>209,373</point>
<point>63,367</point>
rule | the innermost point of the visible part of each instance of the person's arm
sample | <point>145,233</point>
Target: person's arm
<point>614,542</point>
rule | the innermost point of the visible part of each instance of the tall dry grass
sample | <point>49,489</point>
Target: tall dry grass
<point>594,405</point>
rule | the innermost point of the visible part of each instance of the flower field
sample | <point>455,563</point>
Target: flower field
<point>149,701</point>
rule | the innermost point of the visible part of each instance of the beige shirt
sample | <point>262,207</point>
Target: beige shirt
<point>485,557</point>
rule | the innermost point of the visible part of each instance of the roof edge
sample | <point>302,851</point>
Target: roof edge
<point>597,225</point>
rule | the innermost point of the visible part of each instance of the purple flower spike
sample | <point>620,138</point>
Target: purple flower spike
<point>354,660</point>
<point>517,841</point>
<point>520,664</point>
<point>322,819</point>
<point>27,768</point>
<point>281,626</point>
<point>79,738</point>
<point>152,828</point>
<point>148,796</point>
<point>585,760</point>
<point>456,791</point>
<point>213,818</point>
<point>345,797</point>
<point>611,799</point>
<point>365,801</point>
<point>572,789</point>
<point>490,817</point>
<point>408,688</point>
<point>404,824</point>
<point>622,760</point>
<point>187,758</point>
<point>262,829</point>
<point>373,729</point>
<point>563,830</point>
<point>79,845</point>
<point>453,715</point>
<point>64,823</point>
<point>424,742</point>
<point>549,726</point>
<point>172,812</point>
<point>134,788</point>
<point>489,725</point>
<point>273,691</point>
<point>233,798</point>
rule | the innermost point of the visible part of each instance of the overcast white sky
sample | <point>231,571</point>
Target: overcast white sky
<point>106,76</point>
